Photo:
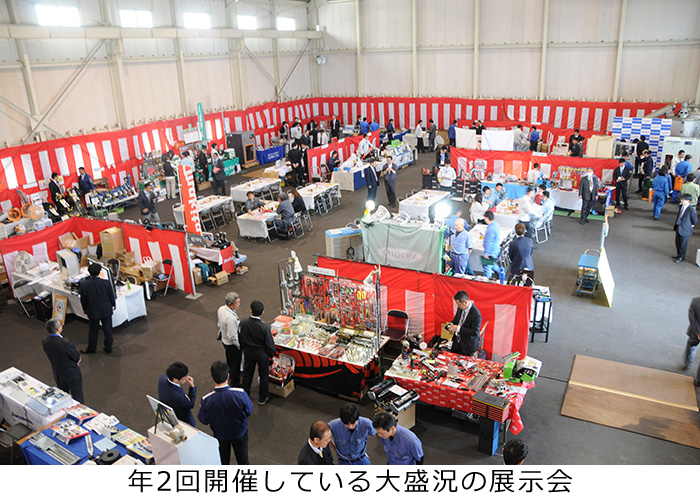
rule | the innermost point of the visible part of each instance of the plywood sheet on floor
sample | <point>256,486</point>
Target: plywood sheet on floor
<point>637,399</point>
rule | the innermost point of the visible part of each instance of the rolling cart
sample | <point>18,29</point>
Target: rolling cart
<point>588,273</point>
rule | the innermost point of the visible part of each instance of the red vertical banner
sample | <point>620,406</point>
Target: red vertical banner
<point>188,196</point>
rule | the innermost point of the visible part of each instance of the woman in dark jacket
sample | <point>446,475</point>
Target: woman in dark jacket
<point>298,201</point>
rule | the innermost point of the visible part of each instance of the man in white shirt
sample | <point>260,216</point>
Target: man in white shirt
<point>547,206</point>
<point>446,175</point>
<point>528,211</point>
<point>364,148</point>
<point>323,137</point>
<point>419,137</point>
<point>676,160</point>
<point>519,136</point>
<point>228,323</point>
<point>534,175</point>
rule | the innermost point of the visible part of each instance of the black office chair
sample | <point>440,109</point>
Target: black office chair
<point>114,266</point>
<point>396,333</point>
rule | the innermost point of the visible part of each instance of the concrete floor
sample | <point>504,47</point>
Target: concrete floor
<point>646,326</point>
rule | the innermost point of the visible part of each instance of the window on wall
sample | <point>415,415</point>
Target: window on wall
<point>52,15</point>
<point>136,18</point>
<point>197,21</point>
<point>286,24</point>
<point>247,22</point>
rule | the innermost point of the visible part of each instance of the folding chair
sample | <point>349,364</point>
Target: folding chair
<point>297,225</point>
<point>24,299</point>
<point>207,218</point>
<point>217,214</point>
<point>165,277</point>
<point>306,216</point>
<point>541,226</point>
<point>396,333</point>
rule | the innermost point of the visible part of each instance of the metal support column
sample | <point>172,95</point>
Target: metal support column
<point>180,59</point>
<point>620,42</point>
<point>115,48</point>
<point>414,46</point>
<point>27,75</point>
<point>312,22</point>
<point>235,66</point>
<point>545,42</point>
<point>477,37</point>
<point>358,38</point>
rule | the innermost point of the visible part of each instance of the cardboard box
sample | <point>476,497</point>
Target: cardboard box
<point>127,258</point>
<point>70,241</point>
<point>197,273</point>
<point>444,333</point>
<point>150,269</point>
<point>112,240</point>
<point>282,391</point>
<point>219,278</point>
<point>610,211</point>
<point>204,185</point>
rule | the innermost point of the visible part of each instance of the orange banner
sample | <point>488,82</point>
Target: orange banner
<point>188,195</point>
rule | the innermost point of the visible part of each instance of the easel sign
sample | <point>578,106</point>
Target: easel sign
<point>60,302</point>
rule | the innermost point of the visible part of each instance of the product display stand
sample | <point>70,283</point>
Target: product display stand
<point>198,449</point>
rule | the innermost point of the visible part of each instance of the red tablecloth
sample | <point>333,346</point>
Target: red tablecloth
<point>448,397</point>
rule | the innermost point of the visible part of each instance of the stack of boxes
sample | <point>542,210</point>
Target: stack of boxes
<point>113,248</point>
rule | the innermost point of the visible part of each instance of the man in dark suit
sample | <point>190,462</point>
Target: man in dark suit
<point>147,205</point>
<point>693,334</point>
<point>171,391</point>
<point>465,326</point>
<point>372,180</point>
<point>218,175</point>
<point>85,184</point>
<point>621,175</point>
<point>64,359</point>
<point>520,251</point>
<point>640,148</point>
<point>56,189</point>
<point>258,349</point>
<point>685,222</point>
<point>335,128</point>
<point>98,301</point>
<point>295,158</point>
<point>588,194</point>
<point>316,450</point>
<point>579,138</point>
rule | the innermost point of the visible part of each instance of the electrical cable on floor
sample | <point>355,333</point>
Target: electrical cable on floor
<point>553,378</point>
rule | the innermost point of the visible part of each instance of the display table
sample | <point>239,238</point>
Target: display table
<point>423,203</point>
<point>78,446</point>
<point>312,192</point>
<point>477,235</point>
<point>257,186</point>
<point>255,225</point>
<point>514,190</point>
<point>566,199</point>
<point>8,228</point>
<point>270,154</point>
<point>458,398</point>
<point>349,180</point>
<point>203,204</point>
<point>506,215</point>
<point>131,303</point>
<point>410,244</point>
<point>278,171</point>
<point>14,409</point>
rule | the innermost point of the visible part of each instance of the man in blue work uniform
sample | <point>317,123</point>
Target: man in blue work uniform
<point>350,433</point>
<point>171,391</point>
<point>492,245</point>
<point>227,410</point>
<point>682,169</point>
<point>452,134</point>
<point>498,194</point>
<point>374,126</point>
<point>402,446</point>
<point>461,244</point>
<point>364,126</point>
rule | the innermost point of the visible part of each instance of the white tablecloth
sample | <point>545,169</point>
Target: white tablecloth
<point>238,193</point>
<point>131,303</point>
<point>204,204</point>
<point>565,199</point>
<point>309,193</point>
<point>345,178</point>
<point>477,236</point>
<point>418,205</point>
<point>255,225</point>
<point>13,405</point>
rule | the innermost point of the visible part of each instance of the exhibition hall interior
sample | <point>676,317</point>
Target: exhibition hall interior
<point>349,232</point>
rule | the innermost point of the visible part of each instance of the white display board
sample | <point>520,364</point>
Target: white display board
<point>465,138</point>
<point>497,140</point>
